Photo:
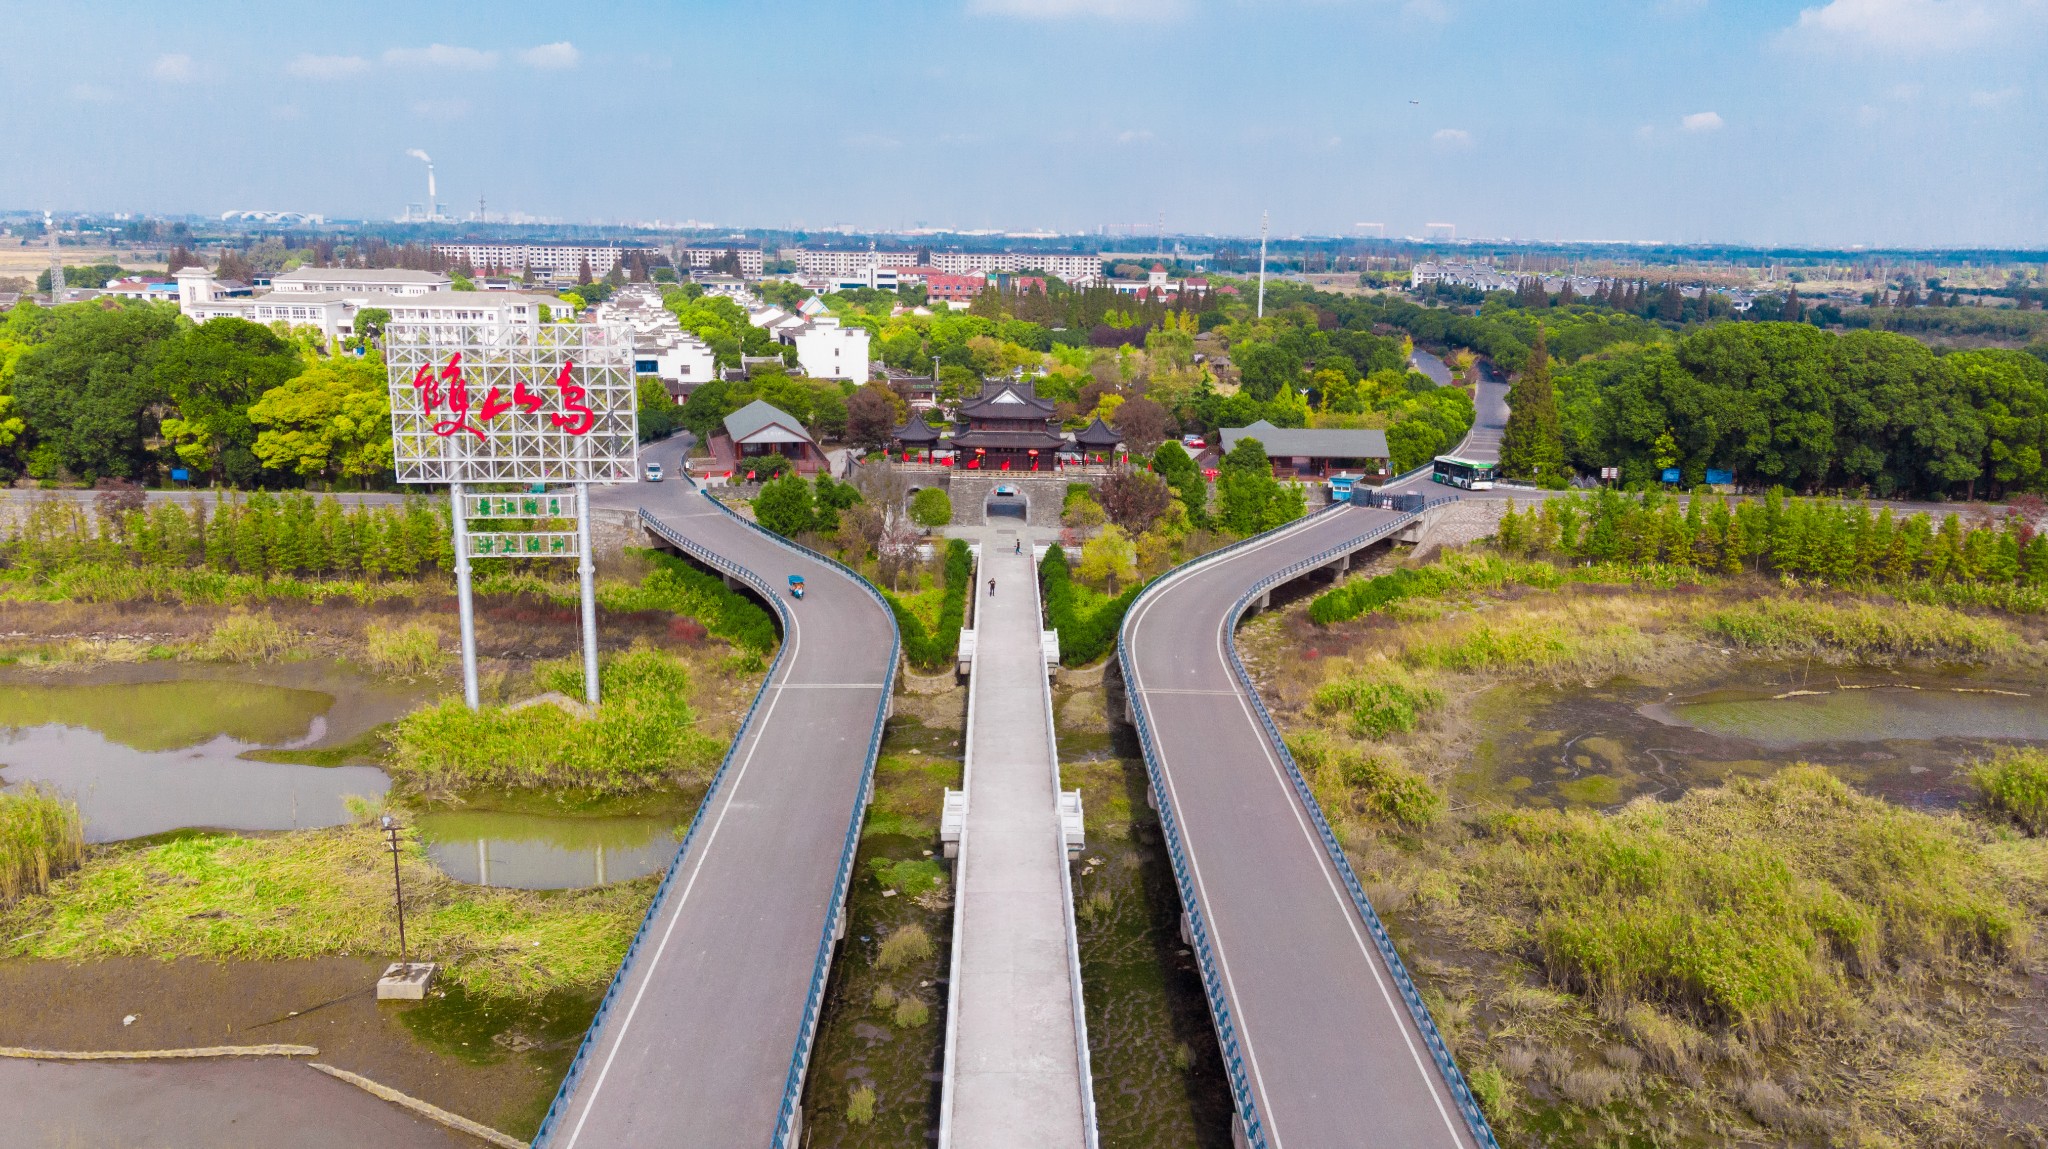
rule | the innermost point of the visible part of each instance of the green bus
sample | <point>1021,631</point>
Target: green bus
<point>1470,474</point>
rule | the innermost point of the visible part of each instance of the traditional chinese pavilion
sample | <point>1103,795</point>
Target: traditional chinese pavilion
<point>1007,428</point>
<point>1097,442</point>
<point>915,439</point>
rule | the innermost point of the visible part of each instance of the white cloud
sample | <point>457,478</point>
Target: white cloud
<point>1451,139</point>
<point>1646,133</point>
<point>1702,122</point>
<point>91,94</point>
<point>1068,9</point>
<point>1997,99</point>
<point>442,56</point>
<point>310,67</point>
<point>174,68</point>
<point>453,109</point>
<point>554,57</point>
<point>1134,136</point>
<point>1911,27</point>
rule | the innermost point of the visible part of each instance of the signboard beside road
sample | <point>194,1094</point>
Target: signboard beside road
<point>533,405</point>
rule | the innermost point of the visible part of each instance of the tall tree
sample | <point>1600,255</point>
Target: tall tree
<point>1532,448</point>
<point>213,372</point>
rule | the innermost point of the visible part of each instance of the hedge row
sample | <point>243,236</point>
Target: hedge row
<point>679,588</point>
<point>1084,635</point>
<point>1350,601</point>
<point>932,651</point>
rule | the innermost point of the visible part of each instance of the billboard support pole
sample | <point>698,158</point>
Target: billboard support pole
<point>586,571</point>
<point>465,610</point>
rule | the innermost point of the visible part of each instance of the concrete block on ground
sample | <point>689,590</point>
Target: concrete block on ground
<point>406,981</point>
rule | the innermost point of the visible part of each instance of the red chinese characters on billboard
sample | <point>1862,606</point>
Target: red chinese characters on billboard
<point>445,397</point>
<point>448,389</point>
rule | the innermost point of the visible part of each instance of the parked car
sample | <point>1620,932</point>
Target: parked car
<point>654,472</point>
<point>1193,442</point>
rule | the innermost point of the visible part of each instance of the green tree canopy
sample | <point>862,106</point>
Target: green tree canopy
<point>87,392</point>
<point>331,421</point>
<point>213,371</point>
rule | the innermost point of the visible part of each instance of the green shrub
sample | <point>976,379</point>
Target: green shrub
<point>1749,904</point>
<point>412,649</point>
<point>679,588</point>
<point>911,1012</point>
<point>249,638</point>
<point>1370,784</point>
<point>1087,622</point>
<point>936,649</point>
<point>909,877</point>
<point>642,735</point>
<point>1378,707</point>
<point>2016,782</point>
<point>906,945</point>
<point>931,507</point>
<point>1862,630</point>
<point>786,506</point>
<point>41,837</point>
<point>860,1105</point>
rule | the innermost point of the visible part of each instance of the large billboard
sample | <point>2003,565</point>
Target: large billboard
<point>512,403</point>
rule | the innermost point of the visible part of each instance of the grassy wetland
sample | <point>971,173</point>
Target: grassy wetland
<point>256,644</point>
<point>1689,856</point>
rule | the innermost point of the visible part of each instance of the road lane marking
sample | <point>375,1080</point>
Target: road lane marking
<point>1329,870</point>
<point>647,975</point>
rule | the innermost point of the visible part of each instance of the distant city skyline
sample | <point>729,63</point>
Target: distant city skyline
<point>1883,123</point>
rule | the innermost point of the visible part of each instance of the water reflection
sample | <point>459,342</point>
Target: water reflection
<point>1875,714</point>
<point>548,851</point>
<point>127,793</point>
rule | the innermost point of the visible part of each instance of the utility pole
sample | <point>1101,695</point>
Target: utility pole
<point>397,886</point>
<point>1263,219</point>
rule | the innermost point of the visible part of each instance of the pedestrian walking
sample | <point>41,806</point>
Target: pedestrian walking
<point>991,588</point>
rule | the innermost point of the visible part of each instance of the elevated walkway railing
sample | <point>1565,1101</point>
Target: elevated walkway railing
<point>1418,1010</point>
<point>786,1121</point>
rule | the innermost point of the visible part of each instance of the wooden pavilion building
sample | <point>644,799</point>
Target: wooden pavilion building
<point>916,440</point>
<point>1097,442</point>
<point>1007,428</point>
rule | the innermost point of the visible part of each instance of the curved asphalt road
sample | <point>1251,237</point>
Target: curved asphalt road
<point>1331,1053</point>
<point>696,1046</point>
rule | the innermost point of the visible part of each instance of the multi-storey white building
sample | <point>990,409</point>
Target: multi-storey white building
<point>384,280</point>
<point>551,262</point>
<point>825,350</point>
<point>701,258</point>
<point>840,265</point>
<point>201,298</point>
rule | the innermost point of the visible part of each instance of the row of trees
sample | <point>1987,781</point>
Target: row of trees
<point>92,391</point>
<point>1844,544</point>
<point>1782,404</point>
<point>263,535</point>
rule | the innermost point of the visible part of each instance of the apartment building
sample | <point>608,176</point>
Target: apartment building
<point>553,263</point>
<point>752,261</point>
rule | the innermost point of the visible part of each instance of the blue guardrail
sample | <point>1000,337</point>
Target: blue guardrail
<point>814,1001</point>
<point>1418,1011</point>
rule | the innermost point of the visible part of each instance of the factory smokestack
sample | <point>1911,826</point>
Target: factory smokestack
<point>428,160</point>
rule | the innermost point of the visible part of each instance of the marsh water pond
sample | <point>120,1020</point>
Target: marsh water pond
<point>1907,737</point>
<point>152,747</point>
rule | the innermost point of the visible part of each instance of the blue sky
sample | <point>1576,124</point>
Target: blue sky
<point>1908,122</point>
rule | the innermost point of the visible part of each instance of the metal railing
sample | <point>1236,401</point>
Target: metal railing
<point>1418,1010</point>
<point>1059,832</point>
<point>815,998</point>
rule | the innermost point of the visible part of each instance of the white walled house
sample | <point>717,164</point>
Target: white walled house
<point>201,298</point>
<point>825,350</point>
<point>382,280</point>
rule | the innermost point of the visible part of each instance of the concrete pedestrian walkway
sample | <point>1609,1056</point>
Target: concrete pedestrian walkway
<point>1016,1074</point>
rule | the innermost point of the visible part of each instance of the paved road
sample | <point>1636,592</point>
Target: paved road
<point>1331,1053</point>
<point>225,1104</point>
<point>1015,1078</point>
<point>697,1043</point>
